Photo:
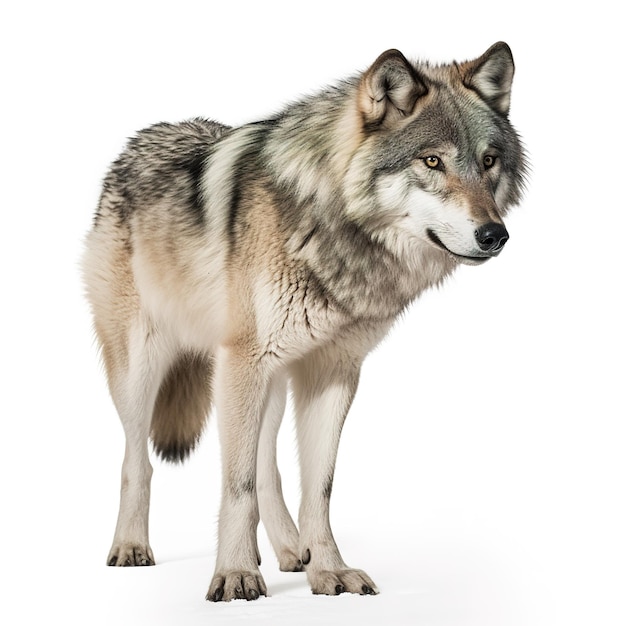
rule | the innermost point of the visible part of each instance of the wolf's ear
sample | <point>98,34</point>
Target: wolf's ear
<point>389,90</point>
<point>491,76</point>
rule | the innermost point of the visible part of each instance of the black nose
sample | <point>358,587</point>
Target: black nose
<point>491,237</point>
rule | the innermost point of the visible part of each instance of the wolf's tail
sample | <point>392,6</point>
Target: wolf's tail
<point>182,407</point>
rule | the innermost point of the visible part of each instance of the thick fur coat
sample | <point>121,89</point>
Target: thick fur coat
<point>226,265</point>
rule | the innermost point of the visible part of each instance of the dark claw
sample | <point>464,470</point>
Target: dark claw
<point>253,594</point>
<point>339,589</point>
<point>367,590</point>
<point>306,557</point>
<point>113,561</point>
<point>218,595</point>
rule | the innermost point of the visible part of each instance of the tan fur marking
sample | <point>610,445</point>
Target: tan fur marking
<point>477,199</point>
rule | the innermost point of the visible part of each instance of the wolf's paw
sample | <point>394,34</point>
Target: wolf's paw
<point>334,582</point>
<point>236,585</point>
<point>130,555</point>
<point>289,561</point>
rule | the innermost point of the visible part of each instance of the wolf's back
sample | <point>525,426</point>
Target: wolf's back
<point>164,161</point>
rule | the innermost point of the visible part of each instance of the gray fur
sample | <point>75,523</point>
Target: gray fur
<point>226,264</point>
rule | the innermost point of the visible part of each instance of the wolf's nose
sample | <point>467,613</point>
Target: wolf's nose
<point>491,237</point>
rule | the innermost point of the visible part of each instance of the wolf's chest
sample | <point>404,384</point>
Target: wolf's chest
<point>293,315</point>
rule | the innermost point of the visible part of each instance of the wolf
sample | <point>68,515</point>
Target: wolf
<point>228,266</point>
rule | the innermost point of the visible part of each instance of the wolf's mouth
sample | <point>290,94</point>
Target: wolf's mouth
<point>459,257</point>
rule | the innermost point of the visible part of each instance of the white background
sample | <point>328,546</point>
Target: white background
<point>481,473</point>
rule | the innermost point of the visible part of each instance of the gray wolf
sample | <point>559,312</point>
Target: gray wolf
<point>228,265</point>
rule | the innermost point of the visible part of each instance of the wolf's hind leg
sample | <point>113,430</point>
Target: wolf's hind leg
<point>134,390</point>
<point>278,523</point>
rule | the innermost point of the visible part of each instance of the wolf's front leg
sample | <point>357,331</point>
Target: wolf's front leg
<point>240,388</point>
<point>324,389</point>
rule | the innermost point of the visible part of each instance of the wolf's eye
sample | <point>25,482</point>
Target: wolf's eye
<point>489,161</point>
<point>433,162</point>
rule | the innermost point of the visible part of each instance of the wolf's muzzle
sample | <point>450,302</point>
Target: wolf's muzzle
<point>491,237</point>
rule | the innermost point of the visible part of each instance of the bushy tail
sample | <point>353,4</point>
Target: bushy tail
<point>182,407</point>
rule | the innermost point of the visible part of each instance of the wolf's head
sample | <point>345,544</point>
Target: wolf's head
<point>439,152</point>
